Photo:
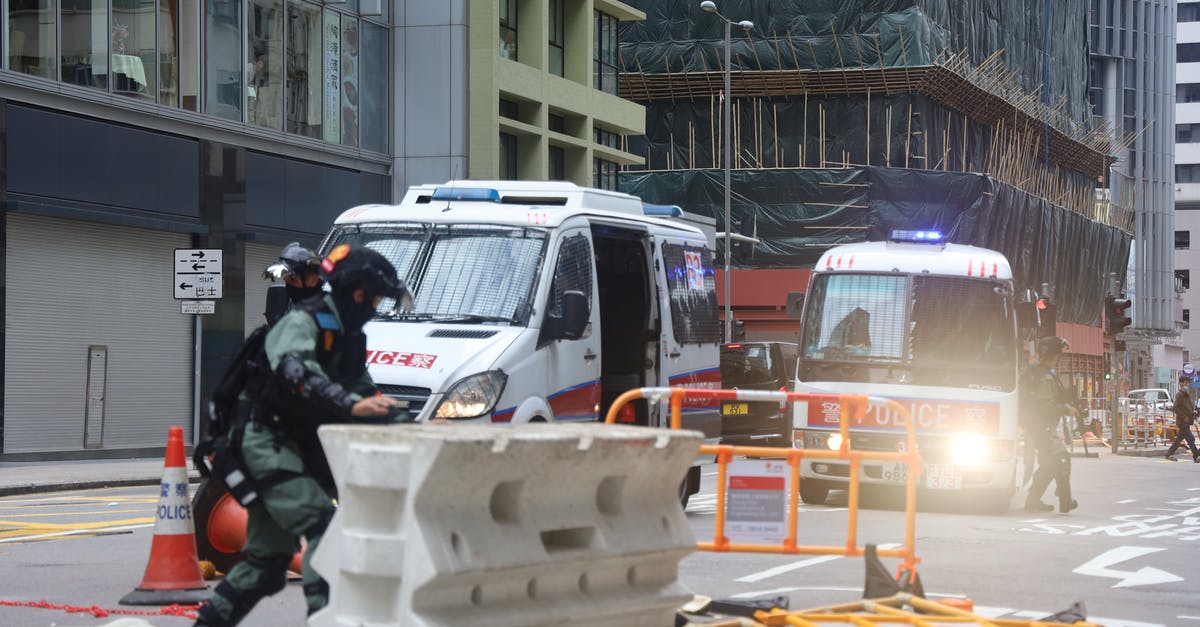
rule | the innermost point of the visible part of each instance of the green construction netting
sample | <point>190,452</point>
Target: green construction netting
<point>798,214</point>
<point>678,36</point>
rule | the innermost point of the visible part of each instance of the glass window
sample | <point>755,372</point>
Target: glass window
<point>903,321</point>
<point>373,113</point>
<point>508,156</point>
<point>133,71</point>
<point>84,59</point>
<point>223,69</point>
<point>508,109</point>
<point>556,123</point>
<point>508,29</point>
<point>1187,53</point>
<point>168,57</point>
<point>1187,313</point>
<point>604,175</point>
<point>304,113</point>
<point>1183,240</point>
<point>1189,12</point>
<point>331,77</point>
<point>264,65</point>
<point>1187,173</point>
<point>1187,133</point>
<point>604,71</point>
<point>31,26</point>
<point>1187,92</point>
<point>1183,278</point>
<point>605,138</point>
<point>558,164</point>
<point>349,81</point>
<point>692,288</point>
<point>557,37</point>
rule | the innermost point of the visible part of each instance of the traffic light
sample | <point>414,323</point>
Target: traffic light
<point>1116,314</point>
<point>1047,317</point>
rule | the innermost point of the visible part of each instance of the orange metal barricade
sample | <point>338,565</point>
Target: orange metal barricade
<point>853,406</point>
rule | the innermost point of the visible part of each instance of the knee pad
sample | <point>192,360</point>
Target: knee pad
<point>274,573</point>
<point>318,528</point>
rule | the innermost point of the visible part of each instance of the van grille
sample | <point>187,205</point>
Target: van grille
<point>469,334</point>
<point>415,397</point>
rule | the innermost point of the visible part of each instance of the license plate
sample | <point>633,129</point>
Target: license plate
<point>895,472</point>
<point>943,477</point>
<point>735,409</point>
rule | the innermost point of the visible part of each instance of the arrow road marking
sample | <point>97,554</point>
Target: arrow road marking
<point>1099,567</point>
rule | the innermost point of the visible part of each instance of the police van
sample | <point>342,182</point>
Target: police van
<point>539,301</point>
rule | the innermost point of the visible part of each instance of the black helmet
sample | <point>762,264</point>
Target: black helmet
<point>295,260</point>
<point>1051,346</point>
<point>350,267</point>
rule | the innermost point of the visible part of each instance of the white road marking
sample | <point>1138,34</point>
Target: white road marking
<point>787,568</point>
<point>1099,567</point>
<point>1126,501</point>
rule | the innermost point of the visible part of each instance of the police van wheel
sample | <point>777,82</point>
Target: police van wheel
<point>813,493</point>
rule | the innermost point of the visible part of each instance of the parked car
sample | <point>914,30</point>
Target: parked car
<point>757,366</point>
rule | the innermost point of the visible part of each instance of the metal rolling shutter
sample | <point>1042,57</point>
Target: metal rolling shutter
<point>258,257</point>
<point>73,287</point>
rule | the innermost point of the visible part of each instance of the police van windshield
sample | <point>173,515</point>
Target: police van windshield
<point>458,273</point>
<point>919,330</point>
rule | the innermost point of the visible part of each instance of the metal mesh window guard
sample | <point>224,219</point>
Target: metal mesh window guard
<point>573,272</point>
<point>483,272</point>
<point>858,317</point>
<point>692,287</point>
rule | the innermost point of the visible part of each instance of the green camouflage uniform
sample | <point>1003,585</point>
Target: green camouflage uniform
<point>286,461</point>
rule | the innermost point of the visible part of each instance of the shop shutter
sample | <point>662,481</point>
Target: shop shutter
<point>258,257</point>
<point>73,289</point>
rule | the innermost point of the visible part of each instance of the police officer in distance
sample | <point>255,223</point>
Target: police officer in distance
<point>298,272</point>
<point>1043,402</point>
<point>317,357</point>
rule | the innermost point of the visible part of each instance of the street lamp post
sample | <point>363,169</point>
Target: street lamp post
<point>711,7</point>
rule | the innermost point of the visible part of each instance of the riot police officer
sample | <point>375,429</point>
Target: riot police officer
<point>317,358</point>
<point>1043,402</point>
<point>298,273</point>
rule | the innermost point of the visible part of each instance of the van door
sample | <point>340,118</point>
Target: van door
<point>572,365</point>
<point>691,329</point>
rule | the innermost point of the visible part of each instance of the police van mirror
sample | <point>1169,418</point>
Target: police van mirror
<point>575,315</point>
<point>1027,317</point>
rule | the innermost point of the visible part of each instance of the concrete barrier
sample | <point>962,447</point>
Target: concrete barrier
<point>501,525</point>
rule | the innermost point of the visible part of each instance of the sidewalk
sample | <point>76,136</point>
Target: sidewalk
<point>31,477</point>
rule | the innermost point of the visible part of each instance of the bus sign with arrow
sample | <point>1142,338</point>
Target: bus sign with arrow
<point>197,273</point>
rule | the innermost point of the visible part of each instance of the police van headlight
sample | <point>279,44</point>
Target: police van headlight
<point>970,450</point>
<point>473,396</point>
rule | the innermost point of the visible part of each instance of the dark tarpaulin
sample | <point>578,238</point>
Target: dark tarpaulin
<point>678,36</point>
<point>800,213</point>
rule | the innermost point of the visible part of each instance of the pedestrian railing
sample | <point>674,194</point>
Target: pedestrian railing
<point>853,408</point>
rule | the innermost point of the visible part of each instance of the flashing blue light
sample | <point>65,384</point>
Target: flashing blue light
<point>467,193</point>
<point>670,211</point>
<point>916,236</point>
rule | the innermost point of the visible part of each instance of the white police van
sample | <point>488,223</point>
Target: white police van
<point>539,301</point>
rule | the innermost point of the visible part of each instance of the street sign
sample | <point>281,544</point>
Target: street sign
<point>197,273</point>
<point>1189,369</point>
<point>197,306</point>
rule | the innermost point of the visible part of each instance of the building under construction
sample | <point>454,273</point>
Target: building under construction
<point>855,117</point>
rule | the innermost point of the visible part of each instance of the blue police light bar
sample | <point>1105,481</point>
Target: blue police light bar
<point>932,237</point>
<point>669,211</point>
<point>467,193</point>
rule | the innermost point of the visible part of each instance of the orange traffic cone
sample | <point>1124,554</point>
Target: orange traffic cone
<point>173,571</point>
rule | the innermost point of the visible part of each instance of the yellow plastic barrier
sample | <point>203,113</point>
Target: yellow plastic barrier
<point>886,611</point>
<point>852,406</point>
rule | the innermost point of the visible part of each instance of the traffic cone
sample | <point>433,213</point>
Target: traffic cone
<point>173,571</point>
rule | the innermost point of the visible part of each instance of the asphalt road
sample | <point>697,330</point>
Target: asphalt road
<point>1128,553</point>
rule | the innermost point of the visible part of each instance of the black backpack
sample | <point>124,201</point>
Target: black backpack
<point>219,454</point>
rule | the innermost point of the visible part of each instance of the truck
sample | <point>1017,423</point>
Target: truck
<point>933,326</point>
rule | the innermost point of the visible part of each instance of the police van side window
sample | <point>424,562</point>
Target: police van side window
<point>572,272</point>
<point>692,288</point>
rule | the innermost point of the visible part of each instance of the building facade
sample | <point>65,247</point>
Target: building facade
<point>1132,47</point>
<point>1187,170</point>
<point>132,129</point>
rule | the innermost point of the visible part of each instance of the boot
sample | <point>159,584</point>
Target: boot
<point>1064,507</point>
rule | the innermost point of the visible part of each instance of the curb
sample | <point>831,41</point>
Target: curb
<point>64,486</point>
